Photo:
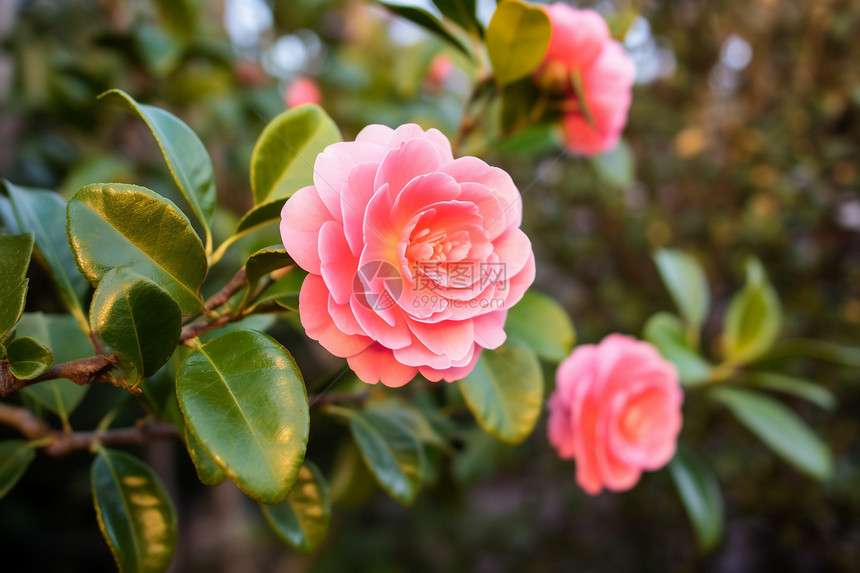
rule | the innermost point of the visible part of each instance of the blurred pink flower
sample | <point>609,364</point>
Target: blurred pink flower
<point>580,45</point>
<point>302,90</point>
<point>616,410</point>
<point>414,256</point>
<point>438,71</point>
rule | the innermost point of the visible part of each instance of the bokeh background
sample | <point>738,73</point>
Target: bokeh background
<point>744,137</point>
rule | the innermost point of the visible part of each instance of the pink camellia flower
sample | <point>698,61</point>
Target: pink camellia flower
<point>616,410</point>
<point>580,45</point>
<point>414,256</point>
<point>439,70</point>
<point>301,91</point>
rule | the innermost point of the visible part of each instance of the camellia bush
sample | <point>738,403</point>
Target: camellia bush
<point>402,253</point>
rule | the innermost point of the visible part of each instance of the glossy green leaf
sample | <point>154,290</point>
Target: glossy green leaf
<point>112,225</point>
<point>134,512</point>
<point>284,155</point>
<point>665,331</point>
<point>158,50</point>
<point>245,402</point>
<point>463,12</point>
<point>185,154</point>
<point>799,388</point>
<point>262,263</point>
<point>505,391</point>
<point>780,429</point>
<point>517,39</point>
<point>15,458</point>
<point>420,13</point>
<point>700,492</point>
<point>302,520</point>
<point>60,333</point>
<point>15,252</point>
<point>207,470</point>
<point>543,325</point>
<point>159,390</point>
<point>43,213</point>
<point>686,282</point>
<point>393,454</point>
<point>263,214</point>
<point>753,318</point>
<point>137,319</point>
<point>28,357</point>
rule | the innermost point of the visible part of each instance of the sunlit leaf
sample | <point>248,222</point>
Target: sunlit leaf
<point>753,318</point>
<point>543,325</point>
<point>113,225</point>
<point>302,520</point>
<point>137,319</point>
<point>517,39</point>
<point>505,391</point>
<point>15,251</point>
<point>245,402</point>
<point>207,470</point>
<point>134,512</point>
<point>185,154</point>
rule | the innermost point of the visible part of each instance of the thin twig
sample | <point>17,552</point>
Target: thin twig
<point>63,443</point>
<point>81,372</point>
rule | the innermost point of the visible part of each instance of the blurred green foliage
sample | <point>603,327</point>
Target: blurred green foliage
<point>720,159</point>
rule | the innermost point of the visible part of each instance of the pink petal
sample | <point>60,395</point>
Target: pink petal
<point>377,364</point>
<point>420,192</point>
<point>357,192</point>
<point>313,312</point>
<point>490,329</point>
<point>332,168</point>
<point>473,170</point>
<point>453,373</point>
<point>577,36</point>
<point>302,217</point>
<point>395,335</point>
<point>406,162</point>
<point>376,134</point>
<point>338,265</point>
<point>450,338</point>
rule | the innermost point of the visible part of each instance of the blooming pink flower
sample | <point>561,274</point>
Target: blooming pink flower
<point>301,91</point>
<point>414,256</point>
<point>616,410</point>
<point>580,44</point>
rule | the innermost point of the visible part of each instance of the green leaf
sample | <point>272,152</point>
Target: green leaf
<point>245,402</point>
<point>112,225</point>
<point>302,520</point>
<point>285,290</point>
<point>158,50</point>
<point>60,333</point>
<point>505,391</point>
<point>700,493</point>
<point>543,325</point>
<point>15,252</point>
<point>617,166</point>
<point>263,214</point>
<point>803,389</point>
<point>686,281</point>
<point>137,319</point>
<point>753,317</point>
<point>463,12</point>
<point>284,155</point>
<point>43,213</point>
<point>262,263</point>
<point>15,458</point>
<point>28,357</point>
<point>665,331</point>
<point>533,140</point>
<point>517,39</point>
<point>780,429</point>
<point>185,154</point>
<point>207,470</point>
<point>393,454</point>
<point>134,512</point>
<point>417,13</point>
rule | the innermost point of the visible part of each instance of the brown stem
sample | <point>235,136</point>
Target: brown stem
<point>231,288</point>
<point>83,371</point>
<point>468,122</point>
<point>62,443</point>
